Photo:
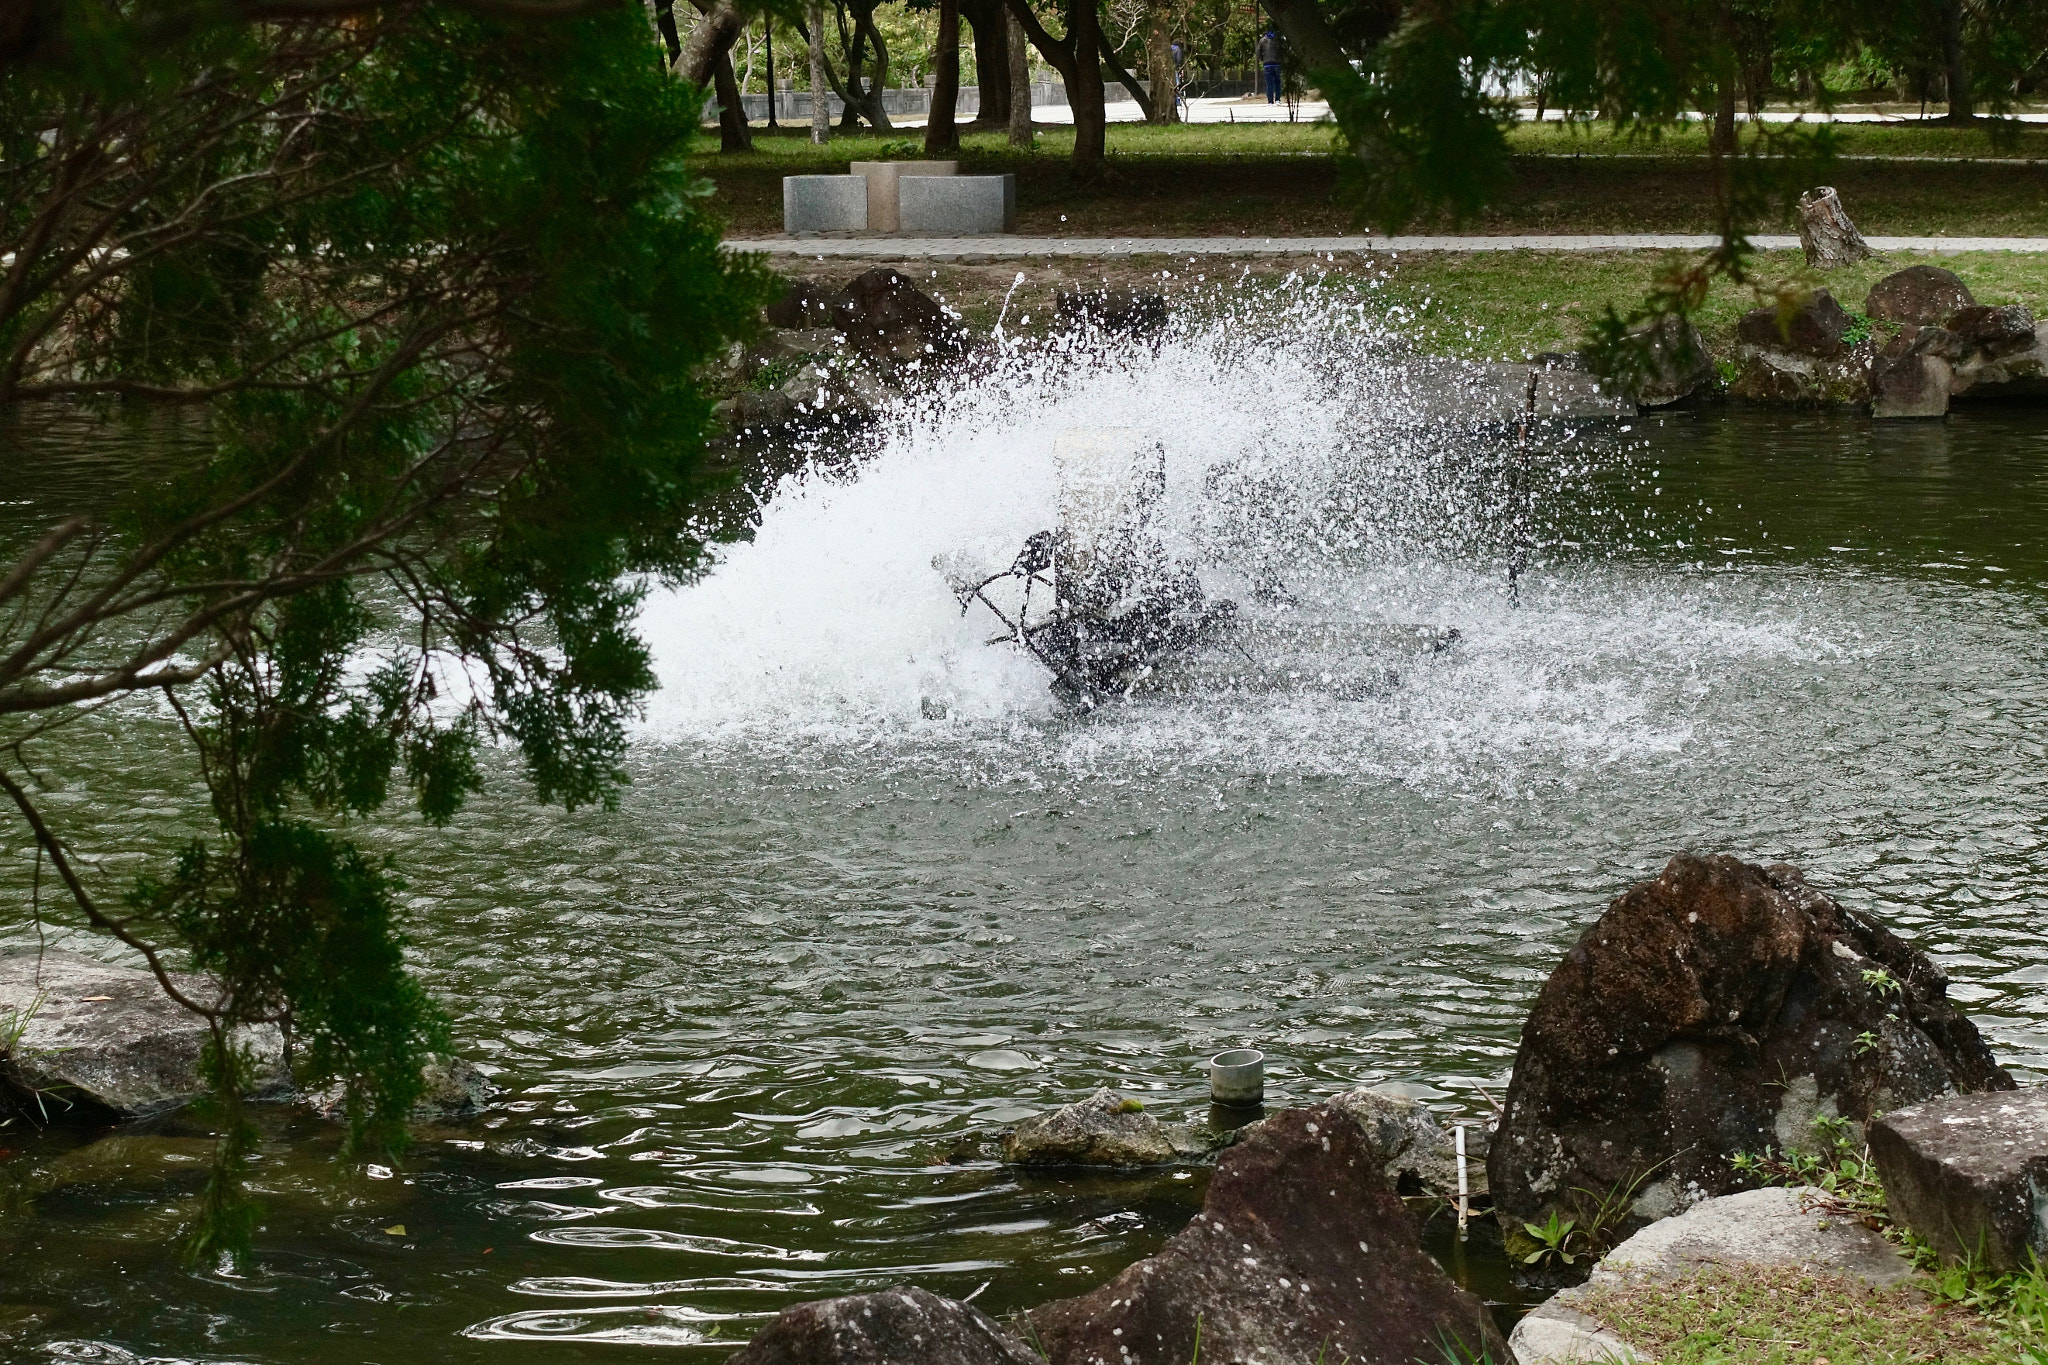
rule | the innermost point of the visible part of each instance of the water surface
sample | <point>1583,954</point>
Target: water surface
<point>751,1024</point>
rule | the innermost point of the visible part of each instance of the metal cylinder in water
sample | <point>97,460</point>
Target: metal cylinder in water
<point>1238,1077</point>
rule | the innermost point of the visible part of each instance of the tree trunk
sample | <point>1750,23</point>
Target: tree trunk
<point>1078,59</point>
<point>1020,83</point>
<point>1721,139</point>
<point>852,41</point>
<point>941,137</point>
<point>665,25</point>
<point>989,23</point>
<point>821,107</point>
<point>878,117</point>
<point>1961,108</point>
<point>717,29</point>
<point>1825,231</point>
<point>1159,57</point>
<point>734,133</point>
<point>1314,43</point>
<point>1084,89</point>
<point>1128,81</point>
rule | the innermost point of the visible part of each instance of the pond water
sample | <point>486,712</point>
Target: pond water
<point>749,1024</point>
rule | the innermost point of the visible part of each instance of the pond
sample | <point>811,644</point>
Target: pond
<point>872,893</point>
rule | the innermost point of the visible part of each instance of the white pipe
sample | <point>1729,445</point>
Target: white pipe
<point>1464,1186</point>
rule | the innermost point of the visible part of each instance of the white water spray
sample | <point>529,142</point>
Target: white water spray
<point>1307,479</point>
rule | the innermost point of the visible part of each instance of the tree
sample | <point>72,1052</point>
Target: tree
<point>436,284</point>
<point>941,137</point>
<point>1077,56</point>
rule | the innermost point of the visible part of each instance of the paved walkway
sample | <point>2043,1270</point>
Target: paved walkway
<point>1010,247</point>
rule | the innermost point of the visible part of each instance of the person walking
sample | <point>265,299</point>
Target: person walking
<point>1269,62</point>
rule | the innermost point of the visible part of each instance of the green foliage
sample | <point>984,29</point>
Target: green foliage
<point>2017,1300</point>
<point>442,322</point>
<point>1858,330</point>
<point>1557,1240</point>
<point>1882,981</point>
<point>1830,1160</point>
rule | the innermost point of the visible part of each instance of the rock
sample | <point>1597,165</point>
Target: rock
<point>1920,295</point>
<point>1129,312</point>
<point>110,1038</point>
<point>1785,379</point>
<point>1995,331</point>
<point>1106,1129</point>
<point>1415,1152</point>
<point>1673,361</point>
<point>900,1326</point>
<point>1970,1174</point>
<point>1718,1009</point>
<point>1912,374</point>
<point>455,1089</point>
<point>756,411</point>
<point>1770,1227</point>
<point>802,305</point>
<point>2003,370</point>
<point>1301,1252</point>
<point>1825,231</point>
<point>884,315</point>
<point>1555,1333</point>
<point>1812,327</point>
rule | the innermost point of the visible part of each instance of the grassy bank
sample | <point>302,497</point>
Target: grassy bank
<point>1480,304</point>
<point>1226,180</point>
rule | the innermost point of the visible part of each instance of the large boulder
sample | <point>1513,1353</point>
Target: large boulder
<point>1301,1252</point>
<point>1814,326</point>
<point>1770,1228</point>
<point>1912,375</point>
<point>1970,1174</point>
<point>1786,378</point>
<point>1919,296</point>
<point>1414,1151</point>
<point>1106,1129</point>
<point>1719,1009</point>
<point>108,1040</point>
<point>1994,331</point>
<point>901,1326</point>
<point>1672,362</point>
<point>884,315</point>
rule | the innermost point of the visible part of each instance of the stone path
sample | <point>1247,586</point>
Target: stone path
<point>1006,247</point>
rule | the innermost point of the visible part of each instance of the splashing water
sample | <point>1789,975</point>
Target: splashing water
<point>1304,453</point>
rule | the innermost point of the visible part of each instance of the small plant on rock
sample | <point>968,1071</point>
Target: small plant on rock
<point>1832,1162</point>
<point>1558,1240</point>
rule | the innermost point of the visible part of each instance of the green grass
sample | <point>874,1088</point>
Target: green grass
<point>1783,1316</point>
<point>1518,303</point>
<point>1855,139</point>
<point>1497,304</point>
<point>1244,179</point>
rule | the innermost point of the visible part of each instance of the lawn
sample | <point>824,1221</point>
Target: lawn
<point>1501,304</point>
<point>1282,179</point>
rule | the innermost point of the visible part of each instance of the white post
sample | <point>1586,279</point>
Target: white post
<point>1464,1186</point>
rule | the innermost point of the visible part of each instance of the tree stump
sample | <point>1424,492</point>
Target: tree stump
<point>1825,231</point>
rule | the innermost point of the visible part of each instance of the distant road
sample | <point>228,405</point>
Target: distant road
<point>950,248</point>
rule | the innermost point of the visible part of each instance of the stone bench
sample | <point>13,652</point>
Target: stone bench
<point>957,205</point>
<point>884,178</point>
<point>824,203</point>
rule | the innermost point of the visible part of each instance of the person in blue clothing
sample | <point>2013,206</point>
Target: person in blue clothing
<point>1269,62</point>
